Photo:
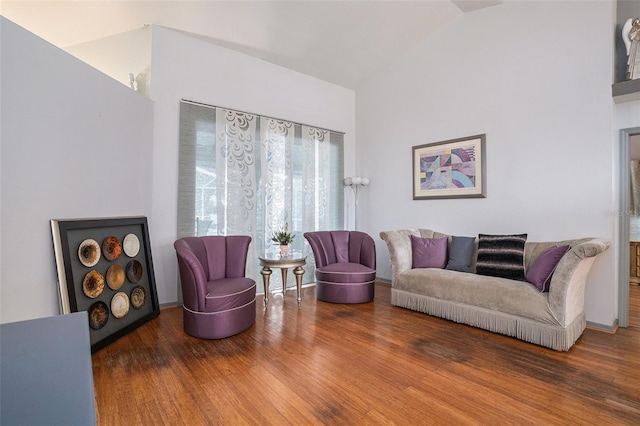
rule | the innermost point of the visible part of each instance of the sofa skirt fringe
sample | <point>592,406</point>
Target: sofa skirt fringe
<point>547,335</point>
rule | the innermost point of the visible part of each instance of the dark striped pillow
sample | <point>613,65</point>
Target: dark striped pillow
<point>501,256</point>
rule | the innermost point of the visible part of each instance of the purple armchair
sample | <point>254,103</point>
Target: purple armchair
<point>218,300</point>
<point>345,265</point>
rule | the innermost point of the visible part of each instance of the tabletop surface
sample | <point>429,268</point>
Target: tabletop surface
<point>277,258</point>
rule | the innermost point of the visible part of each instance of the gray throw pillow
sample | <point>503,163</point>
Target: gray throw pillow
<point>461,253</point>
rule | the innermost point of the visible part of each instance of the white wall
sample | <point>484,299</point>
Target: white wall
<point>536,78</point>
<point>627,115</point>
<point>74,144</point>
<point>119,55</point>
<point>190,68</point>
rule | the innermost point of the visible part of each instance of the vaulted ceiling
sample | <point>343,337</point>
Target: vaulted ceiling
<point>342,42</point>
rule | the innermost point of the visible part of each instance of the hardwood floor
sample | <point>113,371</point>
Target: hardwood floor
<point>362,364</point>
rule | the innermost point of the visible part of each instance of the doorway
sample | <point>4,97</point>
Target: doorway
<point>634,218</point>
<point>629,231</point>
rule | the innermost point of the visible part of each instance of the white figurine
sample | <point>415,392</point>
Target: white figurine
<point>631,38</point>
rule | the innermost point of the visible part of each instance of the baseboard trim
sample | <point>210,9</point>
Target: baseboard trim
<point>169,305</point>
<point>602,327</point>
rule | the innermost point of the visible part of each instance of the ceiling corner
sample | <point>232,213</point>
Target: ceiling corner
<point>471,5</point>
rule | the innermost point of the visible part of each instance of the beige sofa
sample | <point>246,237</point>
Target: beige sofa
<point>553,319</point>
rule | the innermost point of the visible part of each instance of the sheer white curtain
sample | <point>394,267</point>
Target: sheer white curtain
<point>246,174</point>
<point>276,190</point>
<point>236,168</point>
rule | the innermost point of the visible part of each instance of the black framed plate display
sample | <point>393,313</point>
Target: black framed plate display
<point>94,277</point>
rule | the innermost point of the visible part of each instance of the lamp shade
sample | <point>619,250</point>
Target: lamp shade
<point>347,181</point>
<point>356,180</point>
<point>365,181</point>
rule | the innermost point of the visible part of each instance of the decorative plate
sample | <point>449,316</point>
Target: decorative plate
<point>120,304</point>
<point>134,271</point>
<point>111,248</point>
<point>131,245</point>
<point>93,284</point>
<point>138,297</point>
<point>89,252</point>
<point>115,276</point>
<point>98,315</point>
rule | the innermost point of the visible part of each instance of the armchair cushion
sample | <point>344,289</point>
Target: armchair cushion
<point>229,293</point>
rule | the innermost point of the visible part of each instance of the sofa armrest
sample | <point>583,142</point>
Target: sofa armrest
<point>567,287</point>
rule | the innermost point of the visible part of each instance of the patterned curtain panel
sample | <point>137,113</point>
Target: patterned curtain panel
<point>315,154</point>
<point>236,162</point>
<point>242,173</point>
<point>276,189</point>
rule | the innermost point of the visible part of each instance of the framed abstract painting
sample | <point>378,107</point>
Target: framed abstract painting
<point>450,169</point>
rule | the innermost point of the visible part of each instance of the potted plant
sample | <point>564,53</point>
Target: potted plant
<point>283,237</point>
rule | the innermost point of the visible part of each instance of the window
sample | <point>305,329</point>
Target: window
<point>241,173</point>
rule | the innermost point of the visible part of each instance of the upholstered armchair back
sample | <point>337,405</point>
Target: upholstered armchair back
<point>209,258</point>
<point>220,256</point>
<point>342,247</point>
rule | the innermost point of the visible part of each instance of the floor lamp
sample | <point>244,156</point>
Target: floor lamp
<point>355,183</point>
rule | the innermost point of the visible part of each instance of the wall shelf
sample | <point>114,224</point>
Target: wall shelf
<point>626,91</point>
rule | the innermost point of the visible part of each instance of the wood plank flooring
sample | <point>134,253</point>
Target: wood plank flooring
<point>362,364</point>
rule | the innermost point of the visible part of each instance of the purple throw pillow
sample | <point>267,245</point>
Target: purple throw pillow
<point>542,269</point>
<point>429,252</point>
